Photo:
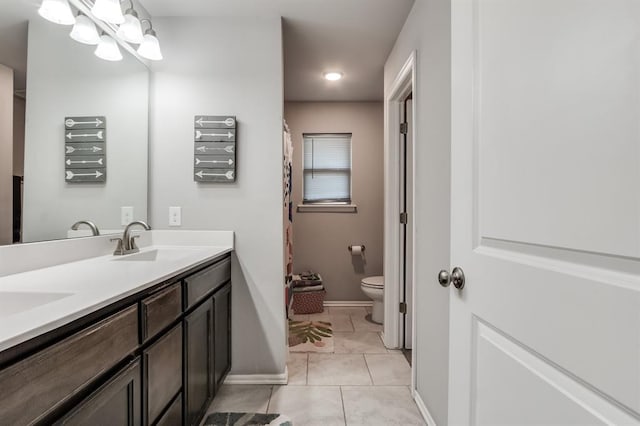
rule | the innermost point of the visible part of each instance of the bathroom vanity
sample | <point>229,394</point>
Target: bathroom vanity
<point>142,339</point>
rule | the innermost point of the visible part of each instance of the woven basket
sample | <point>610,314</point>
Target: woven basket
<point>310,302</point>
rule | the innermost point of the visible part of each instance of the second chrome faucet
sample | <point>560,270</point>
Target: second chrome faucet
<point>127,244</point>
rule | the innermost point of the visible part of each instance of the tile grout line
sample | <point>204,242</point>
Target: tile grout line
<point>368,369</point>
<point>269,401</point>
<point>344,412</point>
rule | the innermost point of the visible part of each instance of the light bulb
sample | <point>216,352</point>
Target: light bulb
<point>57,11</point>
<point>108,49</point>
<point>84,31</point>
<point>108,11</point>
<point>131,30</point>
<point>333,76</point>
<point>150,47</point>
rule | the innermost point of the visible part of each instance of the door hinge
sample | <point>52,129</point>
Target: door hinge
<point>404,128</point>
<point>404,218</point>
<point>403,308</point>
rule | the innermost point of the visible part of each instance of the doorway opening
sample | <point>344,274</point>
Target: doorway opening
<point>399,324</point>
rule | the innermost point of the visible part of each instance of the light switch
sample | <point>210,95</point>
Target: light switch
<point>126,215</point>
<point>175,216</point>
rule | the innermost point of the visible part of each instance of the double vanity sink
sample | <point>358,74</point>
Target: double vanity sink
<point>162,314</point>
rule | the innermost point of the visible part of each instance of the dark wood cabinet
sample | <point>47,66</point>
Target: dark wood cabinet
<point>162,363</point>
<point>178,334</point>
<point>116,403</point>
<point>173,415</point>
<point>198,361</point>
<point>46,380</point>
<point>222,334</point>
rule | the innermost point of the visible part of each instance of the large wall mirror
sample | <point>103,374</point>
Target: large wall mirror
<point>46,76</point>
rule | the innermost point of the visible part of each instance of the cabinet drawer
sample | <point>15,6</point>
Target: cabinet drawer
<point>160,309</point>
<point>173,416</point>
<point>35,386</point>
<point>163,372</point>
<point>117,402</point>
<point>207,280</point>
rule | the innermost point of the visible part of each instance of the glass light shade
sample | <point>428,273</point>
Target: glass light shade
<point>131,30</point>
<point>108,49</point>
<point>150,48</point>
<point>57,11</point>
<point>84,31</point>
<point>108,11</point>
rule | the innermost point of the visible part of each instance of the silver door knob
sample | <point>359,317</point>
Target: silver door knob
<point>456,277</point>
<point>444,278</point>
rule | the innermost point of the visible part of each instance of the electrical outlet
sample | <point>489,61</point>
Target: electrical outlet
<point>175,216</point>
<point>126,215</point>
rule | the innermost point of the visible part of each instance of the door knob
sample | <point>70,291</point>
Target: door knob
<point>456,277</point>
<point>444,278</point>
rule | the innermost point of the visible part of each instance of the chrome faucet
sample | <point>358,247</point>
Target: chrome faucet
<point>127,244</point>
<point>94,228</point>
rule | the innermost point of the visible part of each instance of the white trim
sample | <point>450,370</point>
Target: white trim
<point>327,208</point>
<point>423,409</point>
<point>258,379</point>
<point>403,84</point>
<point>347,304</point>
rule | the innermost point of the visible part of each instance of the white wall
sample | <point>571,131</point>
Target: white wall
<point>320,239</point>
<point>215,67</point>
<point>427,31</point>
<point>6,155</point>
<point>64,78</point>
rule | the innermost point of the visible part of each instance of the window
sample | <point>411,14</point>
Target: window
<point>327,168</point>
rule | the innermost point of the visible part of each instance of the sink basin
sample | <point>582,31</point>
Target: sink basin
<point>156,255</point>
<point>14,302</point>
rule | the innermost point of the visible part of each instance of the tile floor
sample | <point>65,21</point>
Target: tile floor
<point>362,383</point>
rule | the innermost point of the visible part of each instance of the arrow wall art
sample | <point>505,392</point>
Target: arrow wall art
<point>85,149</point>
<point>215,148</point>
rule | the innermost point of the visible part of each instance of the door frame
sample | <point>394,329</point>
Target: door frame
<point>403,84</point>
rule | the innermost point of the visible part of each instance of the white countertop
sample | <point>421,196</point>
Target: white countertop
<point>66,292</point>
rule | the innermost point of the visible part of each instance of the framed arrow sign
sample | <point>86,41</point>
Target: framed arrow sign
<point>215,148</point>
<point>85,155</point>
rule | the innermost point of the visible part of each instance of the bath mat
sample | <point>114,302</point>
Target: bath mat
<point>247,419</point>
<point>310,336</point>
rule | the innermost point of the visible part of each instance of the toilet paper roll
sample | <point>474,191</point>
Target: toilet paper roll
<point>357,250</point>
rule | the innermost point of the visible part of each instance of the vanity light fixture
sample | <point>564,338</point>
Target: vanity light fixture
<point>108,11</point>
<point>150,47</point>
<point>57,11</point>
<point>333,76</point>
<point>108,49</point>
<point>131,30</point>
<point>84,30</point>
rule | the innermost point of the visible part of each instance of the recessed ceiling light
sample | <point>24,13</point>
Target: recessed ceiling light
<point>332,76</point>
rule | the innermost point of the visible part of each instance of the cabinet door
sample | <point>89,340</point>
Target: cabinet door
<point>222,337</point>
<point>116,403</point>
<point>198,361</point>
<point>162,373</point>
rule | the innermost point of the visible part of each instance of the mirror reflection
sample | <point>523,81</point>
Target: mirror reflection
<point>47,183</point>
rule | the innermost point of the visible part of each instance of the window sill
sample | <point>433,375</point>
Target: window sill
<point>327,208</point>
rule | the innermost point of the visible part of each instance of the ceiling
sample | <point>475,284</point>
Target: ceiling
<point>351,36</point>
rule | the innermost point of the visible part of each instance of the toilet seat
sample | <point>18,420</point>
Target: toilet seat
<point>373,282</point>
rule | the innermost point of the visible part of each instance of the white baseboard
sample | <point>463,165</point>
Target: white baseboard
<point>258,379</point>
<point>347,303</point>
<point>423,409</point>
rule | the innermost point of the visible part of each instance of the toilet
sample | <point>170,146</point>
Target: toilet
<point>373,287</point>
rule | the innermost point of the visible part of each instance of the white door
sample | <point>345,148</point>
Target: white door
<point>545,212</point>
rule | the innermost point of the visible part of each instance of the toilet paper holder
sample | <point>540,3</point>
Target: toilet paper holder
<point>351,248</point>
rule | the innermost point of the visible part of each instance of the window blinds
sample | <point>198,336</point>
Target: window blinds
<point>327,168</point>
